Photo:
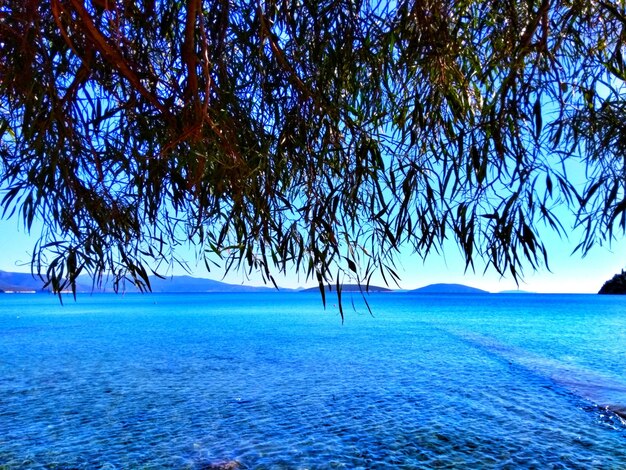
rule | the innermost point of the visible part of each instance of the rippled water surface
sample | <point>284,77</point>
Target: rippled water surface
<point>274,381</point>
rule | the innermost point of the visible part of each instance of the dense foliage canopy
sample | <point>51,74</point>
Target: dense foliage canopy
<point>315,135</point>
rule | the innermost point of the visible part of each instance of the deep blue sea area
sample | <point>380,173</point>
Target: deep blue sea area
<point>272,380</point>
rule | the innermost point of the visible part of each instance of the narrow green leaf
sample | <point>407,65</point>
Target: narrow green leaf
<point>538,118</point>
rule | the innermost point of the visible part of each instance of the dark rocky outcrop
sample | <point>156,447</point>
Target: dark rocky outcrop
<point>616,285</point>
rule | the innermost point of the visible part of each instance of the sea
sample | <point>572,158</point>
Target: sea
<point>277,381</point>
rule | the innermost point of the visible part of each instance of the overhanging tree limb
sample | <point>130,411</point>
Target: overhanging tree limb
<point>316,137</point>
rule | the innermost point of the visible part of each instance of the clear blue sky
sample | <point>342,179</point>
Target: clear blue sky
<point>570,273</point>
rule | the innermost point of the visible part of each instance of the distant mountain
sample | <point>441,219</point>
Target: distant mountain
<point>22,282</point>
<point>351,288</point>
<point>19,282</point>
<point>448,289</point>
<point>188,284</point>
<point>516,291</point>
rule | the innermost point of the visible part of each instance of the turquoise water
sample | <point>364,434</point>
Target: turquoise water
<point>274,381</point>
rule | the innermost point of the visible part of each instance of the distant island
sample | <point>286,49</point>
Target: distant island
<point>448,289</point>
<point>11,282</point>
<point>350,288</point>
<point>189,284</point>
<point>616,285</point>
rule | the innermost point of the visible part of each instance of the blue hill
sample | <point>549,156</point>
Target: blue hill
<point>448,289</point>
<point>350,288</point>
<point>21,282</point>
<point>188,284</point>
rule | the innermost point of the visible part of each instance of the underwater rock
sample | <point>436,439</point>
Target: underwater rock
<point>618,410</point>
<point>225,465</point>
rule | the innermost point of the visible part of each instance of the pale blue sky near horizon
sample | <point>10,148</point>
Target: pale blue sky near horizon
<point>570,273</point>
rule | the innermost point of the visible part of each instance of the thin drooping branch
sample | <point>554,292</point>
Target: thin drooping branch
<point>109,51</point>
<point>319,137</point>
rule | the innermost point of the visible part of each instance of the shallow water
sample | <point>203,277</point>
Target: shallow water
<point>274,381</point>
